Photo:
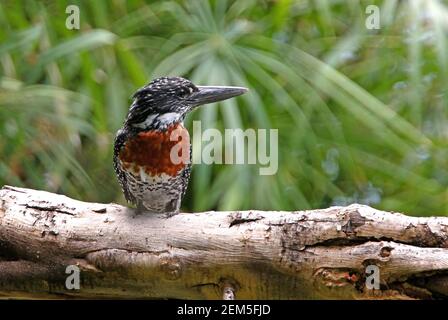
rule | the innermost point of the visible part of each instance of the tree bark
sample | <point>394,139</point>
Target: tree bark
<point>316,254</point>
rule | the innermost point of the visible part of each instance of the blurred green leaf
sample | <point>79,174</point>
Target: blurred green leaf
<point>361,114</point>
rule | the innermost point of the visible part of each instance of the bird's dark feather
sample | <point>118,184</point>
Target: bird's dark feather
<point>120,140</point>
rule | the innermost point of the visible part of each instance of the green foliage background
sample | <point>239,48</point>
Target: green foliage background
<point>362,114</point>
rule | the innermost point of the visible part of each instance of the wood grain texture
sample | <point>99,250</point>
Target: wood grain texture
<point>317,254</point>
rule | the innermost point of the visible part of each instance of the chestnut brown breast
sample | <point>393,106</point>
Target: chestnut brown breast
<point>151,150</point>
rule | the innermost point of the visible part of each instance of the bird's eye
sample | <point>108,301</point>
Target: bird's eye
<point>184,93</point>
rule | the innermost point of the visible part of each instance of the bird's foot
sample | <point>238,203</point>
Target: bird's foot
<point>140,209</point>
<point>170,214</point>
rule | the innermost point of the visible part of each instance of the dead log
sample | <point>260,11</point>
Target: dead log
<point>318,254</point>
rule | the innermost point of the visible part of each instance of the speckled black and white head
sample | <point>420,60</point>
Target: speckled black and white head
<point>167,100</point>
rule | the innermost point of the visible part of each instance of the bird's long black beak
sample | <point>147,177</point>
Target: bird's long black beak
<point>209,94</point>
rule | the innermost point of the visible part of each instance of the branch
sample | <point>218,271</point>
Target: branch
<point>214,255</point>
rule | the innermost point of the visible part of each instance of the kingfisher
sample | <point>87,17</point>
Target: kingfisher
<point>152,151</point>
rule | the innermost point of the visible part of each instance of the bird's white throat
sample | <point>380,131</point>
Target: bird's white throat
<point>159,121</point>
